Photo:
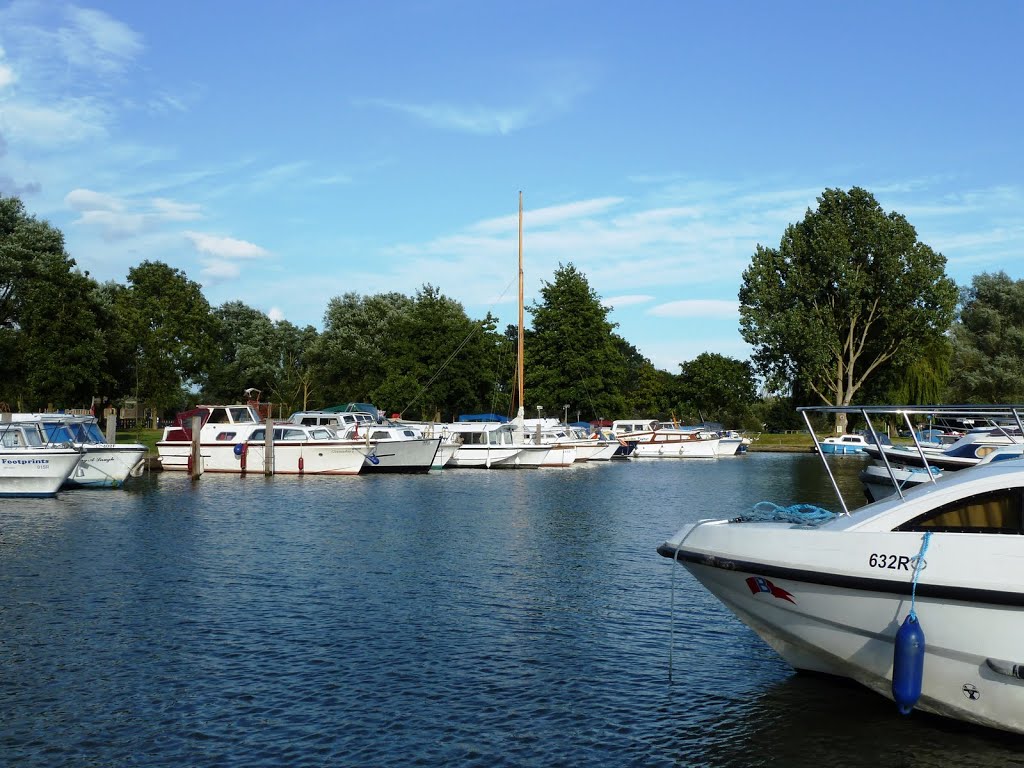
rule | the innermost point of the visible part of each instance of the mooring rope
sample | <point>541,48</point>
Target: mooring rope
<point>919,565</point>
<point>799,514</point>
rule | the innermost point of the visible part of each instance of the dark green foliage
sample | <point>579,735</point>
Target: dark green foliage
<point>988,341</point>
<point>572,355</point>
<point>168,323</point>
<point>49,319</point>
<point>713,387</point>
<point>849,292</point>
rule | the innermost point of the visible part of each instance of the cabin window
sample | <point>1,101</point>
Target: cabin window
<point>226,436</point>
<point>310,421</point>
<point>218,416</point>
<point>258,434</point>
<point>380,435</point>
<point>409,433</point>
<point>993,512</point>
<point>241,416</point>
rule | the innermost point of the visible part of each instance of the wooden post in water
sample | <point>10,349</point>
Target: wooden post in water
<point>268,450</point>
<point>195,457</point>
<point>111,425</point>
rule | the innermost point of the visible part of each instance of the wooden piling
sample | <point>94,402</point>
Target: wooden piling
<point>196,458</point>
<point>268,450</point>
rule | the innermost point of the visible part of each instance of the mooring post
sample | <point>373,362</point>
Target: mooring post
<point>111,425</point>
<point>195,458</point>
<point>268,450</point>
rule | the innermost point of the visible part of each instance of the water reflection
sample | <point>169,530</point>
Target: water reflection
<point>460,617</point>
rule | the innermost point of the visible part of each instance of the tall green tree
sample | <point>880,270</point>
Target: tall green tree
<point>350,357</point>
<point>988,341</point>
<point>50,344</point>
<point>717,388</point>
<point>573,356</point>
<point>441,360</point>
<point>247,353</point>
<point>849,291</point>
<point>171,329</point>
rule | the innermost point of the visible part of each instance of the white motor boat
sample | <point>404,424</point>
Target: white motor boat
<point>487,444</point>
<point>655,440</point>
<point>28,465</point>
<point>836,593</point>
<point>233,439</point>
<point>103,464</point>
<point>967,451</point>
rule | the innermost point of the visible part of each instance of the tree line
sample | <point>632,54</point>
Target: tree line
<point>850,305</point>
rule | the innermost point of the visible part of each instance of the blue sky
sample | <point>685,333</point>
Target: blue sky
<point>285,153</point>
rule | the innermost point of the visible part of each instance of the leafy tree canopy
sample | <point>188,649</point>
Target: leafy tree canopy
<point>717,388</point>
<point>49,329</point>
<point>572,355</point>
<point>988,341</point>
<point>849,291</point>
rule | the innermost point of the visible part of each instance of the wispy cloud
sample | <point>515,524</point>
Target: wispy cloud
<point>629,300</point>
<point>467,119</point>
<point>696,308</point>
<point>117,217</point>
<point>93,40</point>
<point>225,247</point>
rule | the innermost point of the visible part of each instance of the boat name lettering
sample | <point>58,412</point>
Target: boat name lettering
<point>892,562</point>
<point>25,461</point>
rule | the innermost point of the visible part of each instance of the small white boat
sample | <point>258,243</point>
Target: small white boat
<point>28,465</point>
<point>652,439</point>
<point>486,444</point>
<point>103,464</point>
<point>919,597</point>
<point>844,444</point>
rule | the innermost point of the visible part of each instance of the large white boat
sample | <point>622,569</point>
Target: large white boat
<point>233,438</point>
<point>654,440</point>
<point>572,440</point>
<point>103,464</point>
<point>390,447</point>
<point>28,465</point>
<point>919,597</point>
<point>487,445</point>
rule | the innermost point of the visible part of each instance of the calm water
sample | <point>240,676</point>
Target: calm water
<point>460,618</point>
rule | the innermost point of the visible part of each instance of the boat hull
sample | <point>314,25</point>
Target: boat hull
<point>484,457</point>
<point>296,458</point>
<point>107,466</point>
<point>39,472</point>
<point>402,456</point>
<point>677,449</point>
<point>841,619</point>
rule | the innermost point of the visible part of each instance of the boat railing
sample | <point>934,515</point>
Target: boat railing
<point>997,415</point>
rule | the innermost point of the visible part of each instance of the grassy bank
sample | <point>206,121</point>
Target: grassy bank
<point>788,442</point>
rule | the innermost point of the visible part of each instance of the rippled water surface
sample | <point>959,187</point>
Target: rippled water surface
<point>516,617</point>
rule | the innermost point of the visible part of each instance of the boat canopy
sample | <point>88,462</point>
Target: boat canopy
<point>483,417</point>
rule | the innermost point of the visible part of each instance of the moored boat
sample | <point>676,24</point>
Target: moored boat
<point>919,597</point>
<point>103,464</point>
<point>28,465</point>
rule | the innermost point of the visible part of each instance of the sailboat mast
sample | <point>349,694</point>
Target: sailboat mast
<point>519,372</point>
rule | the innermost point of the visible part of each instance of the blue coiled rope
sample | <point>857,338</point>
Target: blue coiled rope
<point>798,514</point>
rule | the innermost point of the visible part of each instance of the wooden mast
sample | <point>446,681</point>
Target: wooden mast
<point>519,370</point>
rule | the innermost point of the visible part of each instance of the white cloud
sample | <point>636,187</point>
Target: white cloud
<point>276,315</point>
<point>628,300</point>
<point>225,247</point>
<point>6,74</point>
<point>696,308</point>
<point>58,124</point>
<point>217,270</point>
<point>474,119</point>
<point>84,200</point>
<point>117,218</point>
<point>94,40</point>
